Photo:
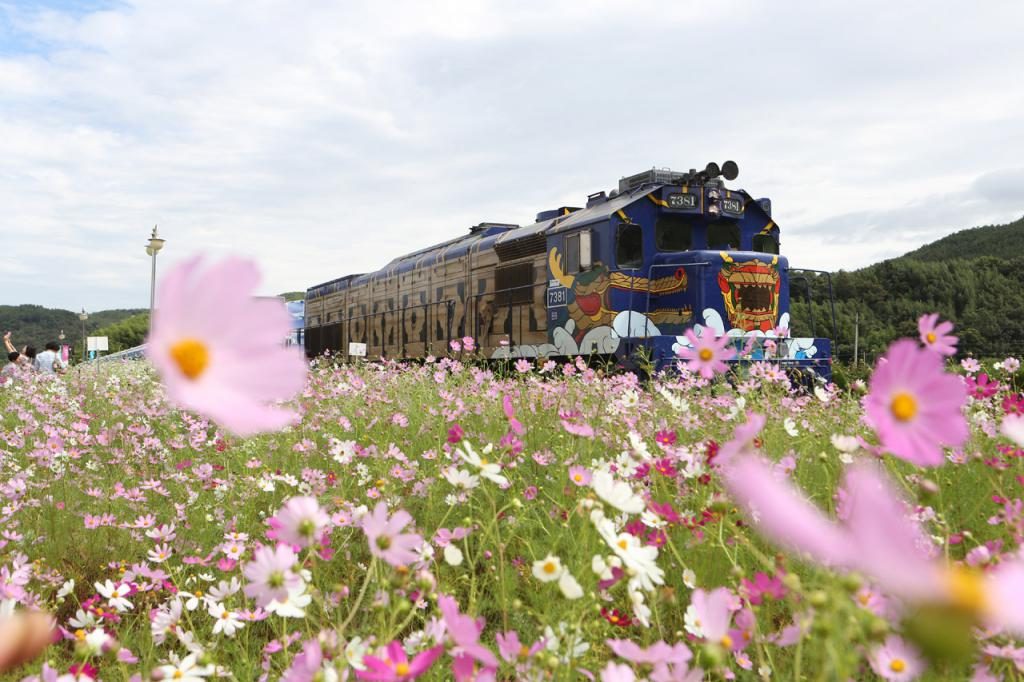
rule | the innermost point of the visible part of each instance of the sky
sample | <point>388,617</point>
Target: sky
<point>326,138</point>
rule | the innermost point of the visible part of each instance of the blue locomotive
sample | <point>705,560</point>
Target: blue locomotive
<point>631,270</point>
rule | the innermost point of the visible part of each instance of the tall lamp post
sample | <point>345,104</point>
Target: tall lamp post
<point>153,248</point>
<point>83,316</point>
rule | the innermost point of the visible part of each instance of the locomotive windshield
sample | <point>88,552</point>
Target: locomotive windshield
<point>629,246</point>
<point>724,234</point>
<point>766,243</point>
<point>673,233</point>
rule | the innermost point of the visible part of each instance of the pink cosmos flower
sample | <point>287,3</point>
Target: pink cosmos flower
<point>617,672</point>
<point>513,650</point>
<point>669,662</point>
<point>387,541</point>
<point>465,632</point>
<point>936,335</point>
<point>713,611</point>
<point>914,406</point>
<point>395,666</point>
<point>270,574</point>
<point>896,660</point>
<point>982,386</point>
<point>299,522</point>
<point>763,586</point>
<point>707,353</point>
<point>579,475</point>
<point>468,344</point>
<point>878,539</point>
<point>219,349</point>
<point>513,424</point>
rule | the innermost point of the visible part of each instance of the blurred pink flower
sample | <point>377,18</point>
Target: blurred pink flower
<point>878,539</point>
<point>299,521</point>
<point>915,406</point>
<point>896,660</point>
<point>936,335</point>
<point>220,350</point>
<point>395,665</point>
<point>707,353</point>
<point>579,475</point>
<point>713,611</point>
<point>385,536</point>
<point>270,574</point>
<point>465,633</point>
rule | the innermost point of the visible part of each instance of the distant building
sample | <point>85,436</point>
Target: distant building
<point>297,309</point>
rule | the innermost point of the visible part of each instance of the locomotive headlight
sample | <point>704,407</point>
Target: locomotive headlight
<point>713,208</point>
<point>713,194</point>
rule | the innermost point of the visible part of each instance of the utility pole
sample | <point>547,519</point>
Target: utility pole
<point>856,336</point>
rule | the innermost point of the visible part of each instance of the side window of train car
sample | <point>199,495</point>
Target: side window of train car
<point>766,243</point>
<point>629,246</point>
<point>724,234</point>
<point>673,233</point>
<point>572,253</point>
<point>512,284</point>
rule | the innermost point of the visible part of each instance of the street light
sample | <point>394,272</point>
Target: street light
<point>83,316</point>
<point>153,248</point>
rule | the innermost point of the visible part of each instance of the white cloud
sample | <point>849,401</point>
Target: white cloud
<point>327,138</point>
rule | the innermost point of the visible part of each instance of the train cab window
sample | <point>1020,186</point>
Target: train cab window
<point>572,253</point>
<point>629,246</point>
<point>673,233</point>
<point>724,234</point>
<point>766,243</point>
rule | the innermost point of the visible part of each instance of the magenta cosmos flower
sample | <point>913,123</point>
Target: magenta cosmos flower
<point>877,538</point>
<point>395,666</point>
<point>936,335</point>
<point>387,541</point>
<point>914,406</point>
<point>707,353</point>
<point>220,350</point>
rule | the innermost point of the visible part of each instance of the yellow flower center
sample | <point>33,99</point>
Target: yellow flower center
<point>966,590</point>
<point>578,477</point>
<point>623,544</point>
<point>225,615</point>
<point>192,357</point>
<point>402,669</point>
<point>80,635</point>
<point>178,674</point>
<point>903,406</point>
<point>726,641</point>
<point>931,337</point>
<point>705,354</point>
<point>897,665</point>
<point>550,567</point>
<point>524,651</point>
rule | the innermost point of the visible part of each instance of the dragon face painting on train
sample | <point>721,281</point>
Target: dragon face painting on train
<point>632,269</point>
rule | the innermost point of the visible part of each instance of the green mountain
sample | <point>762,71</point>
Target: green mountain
<point>35,325</point>
<point>973,278</point>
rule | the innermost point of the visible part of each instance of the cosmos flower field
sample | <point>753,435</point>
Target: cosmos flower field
<point>531,521</point>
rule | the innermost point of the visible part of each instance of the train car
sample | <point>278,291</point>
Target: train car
<point>631,270</point>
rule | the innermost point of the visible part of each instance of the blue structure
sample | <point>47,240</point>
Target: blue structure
<point>633,269</point>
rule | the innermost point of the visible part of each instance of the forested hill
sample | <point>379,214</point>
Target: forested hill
<point>999,241</point>
<point>35,325</point>
<point>973,277</point>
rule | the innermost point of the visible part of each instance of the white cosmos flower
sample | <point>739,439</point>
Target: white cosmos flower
<point>96,640</point>
<point>82,620</point>
<point>225,621</point>
<point>354,652</point>
<point>844,443</point>
<point>690,578</point>
<point>569,587</point>
<point>641,611</point>
<point>678,404</point>
<point>460,478</point>
<point>692,623</point>
<point>548,569</point>
<point>641,561</point>
<point>115,595</point>
<point>452,555</point>
<point>790,425</point>
<point>489,470</point>
<point>67,588</point>
<point>618,494</point>
<point>186,670</point>
<point>293,606</point>
<point>637,444</point>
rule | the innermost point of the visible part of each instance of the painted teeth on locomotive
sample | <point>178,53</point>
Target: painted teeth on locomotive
<point>635,267</point>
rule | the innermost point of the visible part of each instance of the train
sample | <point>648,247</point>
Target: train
<point>620,278</point>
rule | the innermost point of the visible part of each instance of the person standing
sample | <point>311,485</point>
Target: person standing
<point>49,361</point>
<point>12,367</point>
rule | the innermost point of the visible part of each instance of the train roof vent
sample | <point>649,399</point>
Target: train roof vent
<point>655,176</point>
<point>492,228</point>
<point>556,213</point>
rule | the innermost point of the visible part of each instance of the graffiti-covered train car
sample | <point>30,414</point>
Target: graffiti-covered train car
<point>632,269</point>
